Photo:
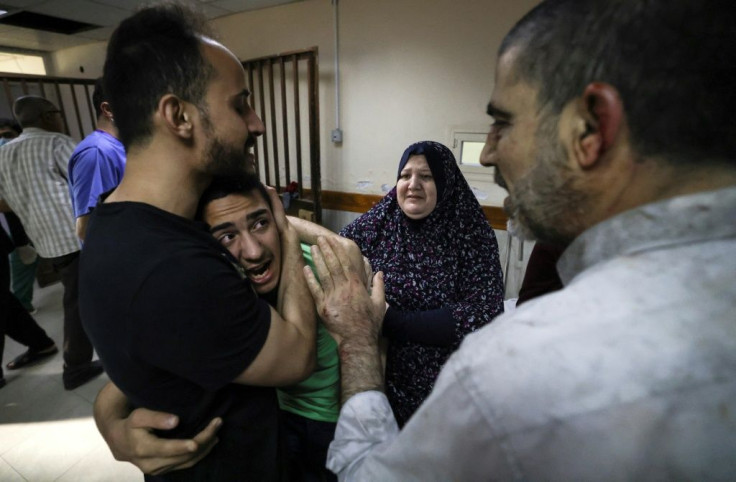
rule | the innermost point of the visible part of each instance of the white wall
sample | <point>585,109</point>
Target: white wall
<point>410,70</point>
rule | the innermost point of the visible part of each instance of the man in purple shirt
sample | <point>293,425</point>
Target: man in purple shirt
<point>97,164</point>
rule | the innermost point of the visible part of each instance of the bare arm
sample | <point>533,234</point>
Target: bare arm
<point>130,438</point>
<point>82,226</point>
<point>310,232</point>
<point>351,314</point>
<point>293,323</point>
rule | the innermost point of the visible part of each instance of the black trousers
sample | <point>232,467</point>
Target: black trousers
<point>14,319</point>
<point>77,347</point>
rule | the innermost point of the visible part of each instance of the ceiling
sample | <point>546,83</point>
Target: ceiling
<point>104,15</point>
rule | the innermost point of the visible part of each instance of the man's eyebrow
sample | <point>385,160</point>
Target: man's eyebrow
<point>245,93</point>
<point>256,214</point>
<point>220,226</point>
<point>496,112</point>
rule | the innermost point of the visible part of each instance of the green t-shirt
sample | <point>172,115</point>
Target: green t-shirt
<point>317,397</point>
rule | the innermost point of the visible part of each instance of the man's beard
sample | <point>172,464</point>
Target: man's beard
<point>547,204</point>
<point>225,160</point>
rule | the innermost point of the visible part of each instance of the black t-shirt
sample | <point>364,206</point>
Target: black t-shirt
<point>174,322</point>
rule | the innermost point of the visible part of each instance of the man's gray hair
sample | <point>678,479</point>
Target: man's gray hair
<point>673,62</point>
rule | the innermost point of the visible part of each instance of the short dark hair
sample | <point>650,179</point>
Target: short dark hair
<point>11,123</point>
<point>673,63</point>
<point>152,53</point>
<point>221,187</point>
<point>98,96</point>
<point>29,109</point>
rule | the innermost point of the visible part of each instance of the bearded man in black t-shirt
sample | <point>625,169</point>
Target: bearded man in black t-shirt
<point>177,326</point>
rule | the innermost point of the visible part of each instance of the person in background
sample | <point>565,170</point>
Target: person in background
<point>33,184</point>
<point>98,162</point>
<point>541,275</point>
<point>9,130</point>
<point>23,259</point>
<point>439,257</point>
<point>15,321</point>
<point>613,131</point>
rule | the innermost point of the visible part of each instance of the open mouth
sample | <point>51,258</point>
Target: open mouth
<point>260,273</point>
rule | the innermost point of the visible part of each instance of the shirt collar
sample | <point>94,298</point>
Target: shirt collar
<point>679,220</point>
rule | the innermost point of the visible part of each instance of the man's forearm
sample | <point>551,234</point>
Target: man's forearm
<point>82,226</point>
<point>360,368</point>
<point>294,300</point>
<point>111,405</point>
<point>308,231</point>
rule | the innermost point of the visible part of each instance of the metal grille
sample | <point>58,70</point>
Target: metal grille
<point>72,96</point>
<point>285,95</point>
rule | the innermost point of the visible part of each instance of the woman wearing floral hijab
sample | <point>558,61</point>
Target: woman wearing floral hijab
<point>441,269</point>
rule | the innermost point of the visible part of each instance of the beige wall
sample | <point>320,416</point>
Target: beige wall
<point>67,62</point>
<point>409,70</point>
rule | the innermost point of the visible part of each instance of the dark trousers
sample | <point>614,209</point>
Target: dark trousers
<point>15,320</point>
<point>77,347</point>
<point>307,443</point>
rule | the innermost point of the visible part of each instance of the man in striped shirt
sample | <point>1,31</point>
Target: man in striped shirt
<point>33,184</point>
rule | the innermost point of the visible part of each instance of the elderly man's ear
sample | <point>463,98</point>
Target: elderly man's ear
<point>597,124</point>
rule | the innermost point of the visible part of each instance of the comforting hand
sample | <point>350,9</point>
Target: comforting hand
<point>351,314</point>
<point>346,307</point>
<point>131,440</point>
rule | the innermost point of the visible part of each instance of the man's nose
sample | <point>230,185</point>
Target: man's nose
<point>255,124</point>
<point>250,249</point>
<point>488,154</point>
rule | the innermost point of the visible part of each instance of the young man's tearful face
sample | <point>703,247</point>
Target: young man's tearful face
<point>245,226</point>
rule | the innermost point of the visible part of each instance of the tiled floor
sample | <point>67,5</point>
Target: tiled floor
<point>46,432</point>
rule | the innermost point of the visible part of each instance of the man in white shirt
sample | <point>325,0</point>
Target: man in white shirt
<point>614,134</point>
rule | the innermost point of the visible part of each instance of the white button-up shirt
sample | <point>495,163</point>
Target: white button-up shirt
<point>628,373</point>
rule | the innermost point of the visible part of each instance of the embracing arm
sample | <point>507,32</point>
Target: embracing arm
<point>293,323</point>
<point>130,438</point>
<point>310,232</point>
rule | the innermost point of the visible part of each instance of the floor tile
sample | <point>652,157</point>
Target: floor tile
<point>47,433</point>
<point>8,474</point>
<point>100,466</point>
<point>54,449</point>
